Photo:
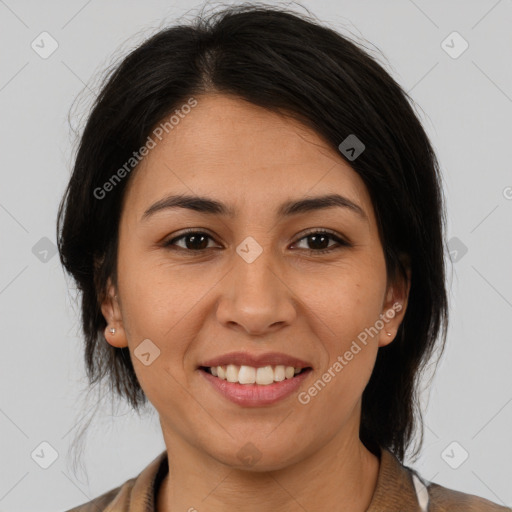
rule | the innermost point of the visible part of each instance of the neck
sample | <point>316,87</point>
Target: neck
<point>340,476</point>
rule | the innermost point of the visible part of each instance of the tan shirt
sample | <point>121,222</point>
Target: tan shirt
<point>399,489</point>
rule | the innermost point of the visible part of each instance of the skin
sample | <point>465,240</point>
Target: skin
<point>197,305</point>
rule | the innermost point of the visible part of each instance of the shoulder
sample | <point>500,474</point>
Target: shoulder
<point>135,494</point>
<point>442,499</point>
<point>108,499</point>
<point>400,487</point>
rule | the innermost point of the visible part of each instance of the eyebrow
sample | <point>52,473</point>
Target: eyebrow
<point>287,209</point>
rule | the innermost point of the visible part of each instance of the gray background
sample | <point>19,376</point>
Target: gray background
<point>465,105</point>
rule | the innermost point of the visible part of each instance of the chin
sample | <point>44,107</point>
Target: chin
<point>250,456</point>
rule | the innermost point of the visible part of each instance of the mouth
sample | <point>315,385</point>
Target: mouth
<point>254,368</point>
<point>255,387</point>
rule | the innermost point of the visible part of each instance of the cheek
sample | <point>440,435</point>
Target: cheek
<point>153,310</point>
<point>354,310</point>
<point>352,299</point>
<point>350,309</point>
<point>155,294</point>
<point>350,346</point>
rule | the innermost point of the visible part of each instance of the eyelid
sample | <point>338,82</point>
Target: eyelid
<point>187,231</point>
<point>335,234</point>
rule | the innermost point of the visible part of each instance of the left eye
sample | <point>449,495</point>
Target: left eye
<point>318,238</point>
<point>197,241</point>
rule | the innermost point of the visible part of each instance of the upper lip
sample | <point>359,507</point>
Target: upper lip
<point>256,360</point>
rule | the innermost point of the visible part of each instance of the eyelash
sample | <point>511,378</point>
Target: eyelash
<point>341,242</point>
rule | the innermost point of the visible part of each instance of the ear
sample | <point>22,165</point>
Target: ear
<point>395,304</point>
<point>112,313</point>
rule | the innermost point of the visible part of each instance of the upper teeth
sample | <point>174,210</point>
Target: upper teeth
<point>250,375</point>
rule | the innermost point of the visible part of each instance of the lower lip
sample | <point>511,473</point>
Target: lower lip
<point>256,395</point>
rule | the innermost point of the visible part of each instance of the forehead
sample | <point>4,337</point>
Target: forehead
<point>241,154</point>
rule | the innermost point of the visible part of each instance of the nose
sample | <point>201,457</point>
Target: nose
<point>255,298</point>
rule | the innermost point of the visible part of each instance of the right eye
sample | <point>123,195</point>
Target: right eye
<point>195,241</point>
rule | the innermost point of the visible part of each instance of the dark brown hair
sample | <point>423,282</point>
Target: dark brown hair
<point>286,62</point>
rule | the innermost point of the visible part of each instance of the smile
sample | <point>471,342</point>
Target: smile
<point>253,387</point>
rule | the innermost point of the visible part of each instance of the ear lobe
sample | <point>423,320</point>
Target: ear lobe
<point>395,305</point>
<point>114,332</point>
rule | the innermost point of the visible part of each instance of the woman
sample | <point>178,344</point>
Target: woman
<point>255,222</point>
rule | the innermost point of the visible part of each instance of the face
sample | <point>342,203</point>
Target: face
<point>252,280</point>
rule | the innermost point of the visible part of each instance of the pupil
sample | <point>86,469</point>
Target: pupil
<point>316,238</point>
<point>194,239</point>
